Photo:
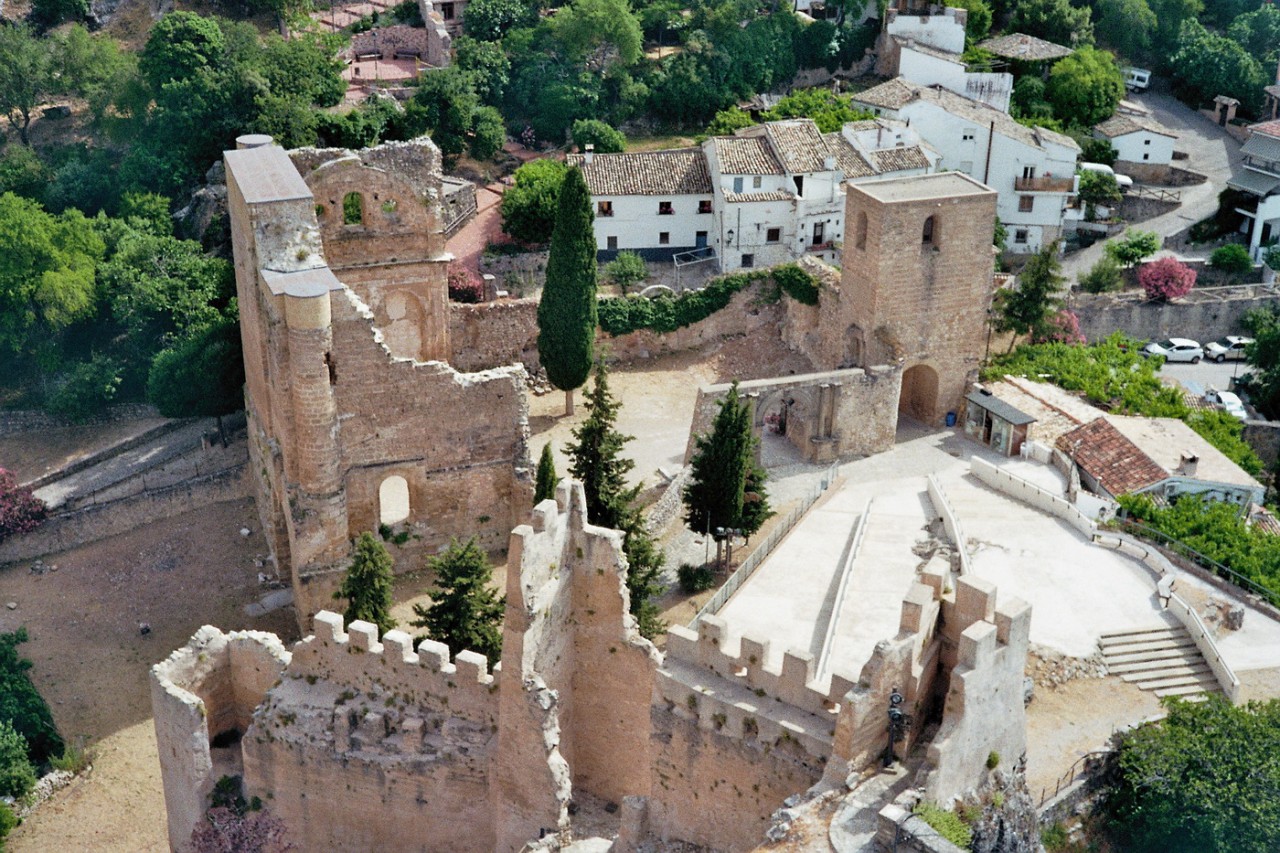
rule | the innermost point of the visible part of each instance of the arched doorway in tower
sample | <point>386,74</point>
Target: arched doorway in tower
<point>919,397</point>
<point>393,501</point>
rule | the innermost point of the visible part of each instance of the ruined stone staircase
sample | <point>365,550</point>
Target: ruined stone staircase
<point>1164,660</point>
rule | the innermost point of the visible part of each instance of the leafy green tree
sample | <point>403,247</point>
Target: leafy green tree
<point>93,66</point>
<point>599,33</point>
<point>626,270</point>
<point>148,213</point>
<point>26,76</point>
<point>1028,308</point>
<point>488,133</point>
<point>546,479</point>
<point>1169,17</point>
<point>46,273</point>
<point>1098,188</point>
<point>488,20</point>
<point>1103,277</point>
<point>1098,151</point>
<point>1206,65</point>
<point>728,120</point>
<point>447,103</point>
<point>21,704</point>
<point>22,172</point>
<point>202,375</point>
<point>368,583</point>
<point>567,310</point>
<point>979,21</point>
<point>723,465</point>
<point>465,612</point>
<point>17,775</point>
<point>86,389</point>
<point>1085,87</point>
<point>47,14</point>
<point>607,140</point>
<point>1128,26</point>
<point>1203,778</point>
<point>1263,379</point>
<point>1133,247</point>
<point>1053,20</point>
<point>1258,32</point>
<point>487,66</point>
<point>529,205</point>
<point>180,46</point>
<point>1029,100</point>
<point>828,110</point>
<point>302,69</point>
<point>1231,258</point>
<point>1225,432</point>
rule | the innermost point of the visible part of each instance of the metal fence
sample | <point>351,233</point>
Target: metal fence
<point>749,565</point>
<point>140,485</point>
<point>1085,765</point>
<point>1180,548</point>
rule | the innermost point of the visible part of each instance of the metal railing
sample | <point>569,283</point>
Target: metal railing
<point>1045,184</point>
<point>1177,546</point>
<point>753,561</point>
<point>1156,194</point>
<point>132,487</point>
<point>1082,766</point>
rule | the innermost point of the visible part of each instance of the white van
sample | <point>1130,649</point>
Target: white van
<point>1123,181</point>
<point>1136,79</point>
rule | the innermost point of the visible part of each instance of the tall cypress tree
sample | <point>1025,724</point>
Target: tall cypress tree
<point>726,488</point>
<point>597,464</point>
<point>567,310</point>
<point>367,586</point>
<point>544,484</point>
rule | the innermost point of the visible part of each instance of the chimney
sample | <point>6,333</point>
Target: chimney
<point>829,163</point>
<point>588,153</point>
<point>1187,467</point>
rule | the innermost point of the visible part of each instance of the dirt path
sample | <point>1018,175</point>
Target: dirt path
<point>91,661</point>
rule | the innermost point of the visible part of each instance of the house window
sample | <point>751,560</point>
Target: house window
<point>928,235</point>
<point>446,11</point>
<point>664,238</point>
<point>799,181</point>
<point>737,185</point>
<point>773,235</point>
<point>704,206</point>
<point>1028,172</point>
<point>748,261</point>
<point>604,208</point>
<point>1026,203</point>
<point>967,136</point>
<point>665,209</point>
<point>1146,156</point>
<point>819,231</point>
<point>757,182</point>
<point>612,243</point>
<point>1146,142</point>
<point>1020,236</point>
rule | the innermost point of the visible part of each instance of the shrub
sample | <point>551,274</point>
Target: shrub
<point>606,139</point>
<point>20,510</point>
<point>17,775</point>
<point>948,824</point>
<point>993,760</point>
<point>1166,279</point>
<point>1102,277</point>
<point>89,388</point>
<point>1133,247</point>
<point>797,284</point>
<point>8,820</point>
<point>1231,258</point>
<point>626,270</point>
<point>695,578</point>
<point>465,285</point>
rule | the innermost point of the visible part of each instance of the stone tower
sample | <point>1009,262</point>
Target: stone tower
<point>916,285</point>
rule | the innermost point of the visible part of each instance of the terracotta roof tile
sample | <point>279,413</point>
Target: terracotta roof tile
<point>798,144</point>
<point>893,159</point>
<point>1122,124</point>
<point>680,171</point>
<point>746,155</point>
<point>1105,454</point>
<point>847,157</point>
<point>1024,47</point>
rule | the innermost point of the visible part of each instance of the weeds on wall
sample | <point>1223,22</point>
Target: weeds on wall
<point>666,313</point>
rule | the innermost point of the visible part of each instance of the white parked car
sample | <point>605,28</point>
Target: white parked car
<point>1229,401</point>
<point>1229,347</point>
<point>1175,349</point>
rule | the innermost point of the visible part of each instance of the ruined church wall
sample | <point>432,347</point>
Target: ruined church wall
<point>490,334</point>
<point>209,686</point>
<point>368,744</point>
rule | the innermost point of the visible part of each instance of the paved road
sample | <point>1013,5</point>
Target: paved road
<point>1213,152</point>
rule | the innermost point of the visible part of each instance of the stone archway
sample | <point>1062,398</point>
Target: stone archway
<point>919,397</point>
<point>393,500</point>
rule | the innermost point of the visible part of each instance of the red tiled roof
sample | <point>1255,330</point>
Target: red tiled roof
<point>1109,457</point>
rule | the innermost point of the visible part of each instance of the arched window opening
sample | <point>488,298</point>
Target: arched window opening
<point>393,501</point>
<point>352,209</point>
<point>930,233</point>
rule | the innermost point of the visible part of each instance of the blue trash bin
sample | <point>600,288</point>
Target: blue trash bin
<point>951,419</point>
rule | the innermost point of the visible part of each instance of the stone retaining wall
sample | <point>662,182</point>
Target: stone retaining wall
<point>1203,315</point>
<point>13,422</point>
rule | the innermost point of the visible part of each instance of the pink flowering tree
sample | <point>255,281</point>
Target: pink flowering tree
<point>1166,279</point>
<point>465,285</point>
<point>1061,328</point>
<point>20,511</point>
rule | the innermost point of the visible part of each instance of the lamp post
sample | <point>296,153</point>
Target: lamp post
<point>897,724</point>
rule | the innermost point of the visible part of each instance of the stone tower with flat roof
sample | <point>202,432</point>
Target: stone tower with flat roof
<point>916,285</point>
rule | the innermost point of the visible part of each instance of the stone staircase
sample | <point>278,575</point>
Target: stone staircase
<point>1164,660</point>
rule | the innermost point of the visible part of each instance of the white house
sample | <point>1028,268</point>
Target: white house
<point>764,196</point>
<point>1137,139</point>
<point>926,49</point>
<point>1032,168</point>
<point>1260,178</point>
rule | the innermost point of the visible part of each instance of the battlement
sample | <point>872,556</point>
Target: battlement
<point>725,682</point>
<point>356,659</point>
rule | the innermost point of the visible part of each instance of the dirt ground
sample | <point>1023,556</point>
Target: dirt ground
<point>91,661</point>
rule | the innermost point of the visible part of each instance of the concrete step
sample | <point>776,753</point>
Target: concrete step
<point>1204,679</point>
<point>1134,632</point>
<point>1188,691</point>
<point>1182,669</point>
<point>1150,650</point>
<point>1140,667</point>
<point>1108,640</point>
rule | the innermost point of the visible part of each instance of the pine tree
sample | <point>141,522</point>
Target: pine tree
<point>545,482</point>
<point>727,486</point>
<point>1026,309</point>
<point>465,612</point>
<point>595,461</point>
<point>567,310</point>
<point>367,586</point>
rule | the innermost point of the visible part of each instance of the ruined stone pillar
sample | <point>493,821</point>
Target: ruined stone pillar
<point>312,373</point>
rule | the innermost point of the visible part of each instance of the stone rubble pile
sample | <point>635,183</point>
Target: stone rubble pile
<point>1050,668</point>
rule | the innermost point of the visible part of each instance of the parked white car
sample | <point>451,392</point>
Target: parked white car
<point>1233,405</point>
<point>1124,182</point>
<point>1229,347</point>
<point>1175,349</point>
